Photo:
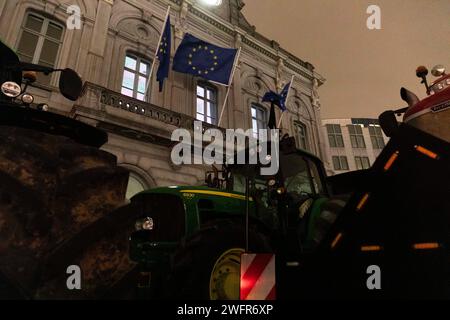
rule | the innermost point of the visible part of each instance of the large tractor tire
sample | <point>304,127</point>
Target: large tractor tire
<point>207,265</point>
<point>58,202</point>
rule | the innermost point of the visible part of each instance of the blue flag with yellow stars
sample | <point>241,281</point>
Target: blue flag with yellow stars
<point>164,55</point>
<point>278,99</point>
<point>202,59</point>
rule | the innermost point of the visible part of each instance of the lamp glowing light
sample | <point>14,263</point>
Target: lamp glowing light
<point>215,3</point>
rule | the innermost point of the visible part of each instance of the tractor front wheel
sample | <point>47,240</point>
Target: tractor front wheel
<point>207,265</point>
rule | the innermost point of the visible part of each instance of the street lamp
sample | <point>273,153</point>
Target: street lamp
<point>215,3</point>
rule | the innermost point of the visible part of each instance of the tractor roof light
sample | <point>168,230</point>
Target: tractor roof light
<point>438,71</point>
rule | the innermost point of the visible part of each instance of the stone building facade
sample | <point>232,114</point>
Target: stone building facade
<point>140,131</point>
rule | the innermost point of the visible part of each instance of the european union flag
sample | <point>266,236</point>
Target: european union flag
<point>278,99</point>
<point>200,58</point>
<point>164,55</point>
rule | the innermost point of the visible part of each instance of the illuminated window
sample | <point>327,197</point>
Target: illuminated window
<point>135,185</point>
<point>302,135</point>
<point>259,118</point>
<point>206,103</point>
<point>356,137</point>
<point>340,163</point>
<point>362,163</point>
<point>335,136</point>
<point>135,77</point>
<point>376,135</point>
<point>40,43</point>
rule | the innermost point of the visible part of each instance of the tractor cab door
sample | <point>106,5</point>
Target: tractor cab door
<point>302,185</point>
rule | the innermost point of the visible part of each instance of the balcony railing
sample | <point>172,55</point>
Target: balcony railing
<point>97,97</point>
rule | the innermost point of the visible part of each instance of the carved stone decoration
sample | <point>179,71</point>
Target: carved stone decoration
<point>50,8</point>
<point>315,100</point>
<point>280,70</point>
<point>142,32</point>
<point>181,24</point>
<point>138,30</point>
<point>255,85</point>
<point>258,73</point>
<point>147,16</point>
<point>238,41</point>
<point>240,4</point>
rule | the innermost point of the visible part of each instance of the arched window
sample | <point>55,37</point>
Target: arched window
<point>40,42</point>
<point>302,135</point>
<point>135,77</point>
<point>136,184</point>
<point>206,103</point>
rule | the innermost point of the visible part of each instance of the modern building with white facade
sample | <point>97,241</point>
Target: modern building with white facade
<point>351,144</point>
<point>113,50</point>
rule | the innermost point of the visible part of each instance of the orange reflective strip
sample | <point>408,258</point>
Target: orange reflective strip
<point>370,248</point>
<point>426,246</point>
<point>336,240</point>
<point>391,161</point>
<point>427,152</point>
<point>362,202</point>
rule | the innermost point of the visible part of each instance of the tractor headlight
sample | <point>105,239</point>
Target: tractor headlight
<point>27,98</point>
<point>42,107</point>
<point>144,224</point>
<point>11,89</point>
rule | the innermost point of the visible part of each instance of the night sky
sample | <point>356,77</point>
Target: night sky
<point>364,68</point>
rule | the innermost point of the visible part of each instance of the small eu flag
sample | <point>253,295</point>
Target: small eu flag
<point>164,55</point>
<point>200,58</point>
<point>278,99</point>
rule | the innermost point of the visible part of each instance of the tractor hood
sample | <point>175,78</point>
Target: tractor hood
<point>190,191</point>
<point>186,207</point>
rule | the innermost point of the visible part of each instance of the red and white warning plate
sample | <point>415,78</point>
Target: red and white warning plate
<point>258,277</point>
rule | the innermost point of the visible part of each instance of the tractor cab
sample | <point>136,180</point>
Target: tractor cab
<point>289,202</point>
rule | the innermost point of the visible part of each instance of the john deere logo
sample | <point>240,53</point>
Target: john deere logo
<point>441,107</point>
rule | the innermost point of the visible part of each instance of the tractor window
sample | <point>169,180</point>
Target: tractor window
<point>301,176</point>
<point>258,187</point>
<point>239,183</point>
<point>259,190</point>
<point>316,178</point>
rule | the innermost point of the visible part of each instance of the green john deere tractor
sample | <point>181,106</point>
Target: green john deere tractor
<point>189,240</point>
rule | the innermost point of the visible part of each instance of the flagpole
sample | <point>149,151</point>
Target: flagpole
<point>287,97</point>
<point>156,53</point>
<point>236,61</point>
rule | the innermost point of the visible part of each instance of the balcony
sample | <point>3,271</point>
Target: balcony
<point>101,105</point>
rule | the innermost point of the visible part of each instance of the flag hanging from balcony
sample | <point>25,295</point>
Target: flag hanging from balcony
<point>163,54</point>
<point>202,59</point>
<point>278,99</point>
